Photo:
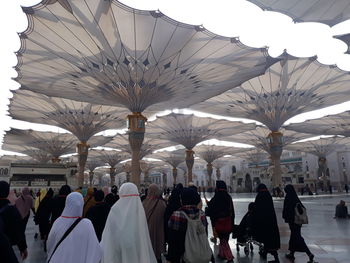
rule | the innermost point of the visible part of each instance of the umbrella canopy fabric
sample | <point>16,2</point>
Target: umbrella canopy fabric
<point>53,143</point>
<point>288,88</point>
<point>121,142</point>
<point>210,153</point>
<point>107,53</point>
<point>321,147</point>
<point>337,124</point>
<point>80,118</point>
<point>110,157</point>
<point>174,158</point>
<point>258,138</point>
<point>189,130</point>
<point>36,154</point>
<point>329,12</point>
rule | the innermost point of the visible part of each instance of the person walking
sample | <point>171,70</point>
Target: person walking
<point>296,241</point>
<point>125,238</point>
<point>73,239</point>
<point>11,229</point>
<point>155,207</point>
<point>58,202</point>
<point>42,216</point>
<point>39,197</point>
<point>222,215</point>
<point>178,224</point>
<point>264,223</point>
<point>98,213</point>
<point>24,204</point>
<point>341,210</point>
<point>89,200</point>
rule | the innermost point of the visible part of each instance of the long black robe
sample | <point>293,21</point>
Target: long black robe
<point>264,221</point>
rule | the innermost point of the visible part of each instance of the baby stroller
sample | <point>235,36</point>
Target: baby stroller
<point>243,234</point>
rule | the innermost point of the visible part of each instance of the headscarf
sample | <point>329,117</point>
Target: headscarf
<point>221,204</point>
<point>125,238</point>
<point>152,199</point>
<point>12,197</point>
<point>106,191</point>
<point>174,202</point>
<point>24,203</point>
<point>110,199</point>
<point>289,203</point>
<point>264,221</point>
<point>39,199</point>
<point>89,200</point>
<point>4,189</point>
<point>65,190</point>
<point>189,197</point>
<point>81,245</point>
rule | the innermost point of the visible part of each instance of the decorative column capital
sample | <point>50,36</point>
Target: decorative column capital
<point>136,122</point>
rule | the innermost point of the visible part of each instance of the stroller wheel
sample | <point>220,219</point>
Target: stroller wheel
<point>246,250</point>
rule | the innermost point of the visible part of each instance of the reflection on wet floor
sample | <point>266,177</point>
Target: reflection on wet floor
<point>327,238</point>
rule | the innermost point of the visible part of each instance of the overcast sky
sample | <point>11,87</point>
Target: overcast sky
<point>230,18</point>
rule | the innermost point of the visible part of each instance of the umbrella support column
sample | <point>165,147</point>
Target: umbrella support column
<point>189,163</point>
<point>83,151</point>
<point>136,135</point>
<point>210,173</point>
<point>174,175</point>
<point>275,141</point>
<point>112,176</point>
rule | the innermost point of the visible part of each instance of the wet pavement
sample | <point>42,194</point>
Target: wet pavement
<point>327,238</point>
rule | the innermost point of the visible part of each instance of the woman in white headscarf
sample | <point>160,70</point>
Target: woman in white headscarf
<point>81,245</point>
<point>125,238</point>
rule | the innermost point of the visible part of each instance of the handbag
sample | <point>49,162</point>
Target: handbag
<point>300,217</point>
<point>76,222</point>
<point>223,225</point>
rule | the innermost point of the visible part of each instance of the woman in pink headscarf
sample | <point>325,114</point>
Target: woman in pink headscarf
<point>23,204</point>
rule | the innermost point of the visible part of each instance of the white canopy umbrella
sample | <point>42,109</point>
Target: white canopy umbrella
<point>108,53</point>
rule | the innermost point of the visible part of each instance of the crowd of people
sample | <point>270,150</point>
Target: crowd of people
<point>94,226</point>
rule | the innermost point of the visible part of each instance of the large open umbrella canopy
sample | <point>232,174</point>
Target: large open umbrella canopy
<point>189,130</point>
<point>108,53</point>
<point>210,153</point>
<point>288,88</point>
<point>36,154</point>
<point>330,12</point>
<point>337,124</point>
<point>15,158</point>
<point>91,164</point>
<point>80,118</point>
<point>174,158</point>
<point>266,140</point>
<point>53,143</point>
<point>321,148</point>
<point>254,155</point>
<point>111,158</point>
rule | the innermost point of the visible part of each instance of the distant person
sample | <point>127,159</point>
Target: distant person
<point>155,207</point>
<point>346,187</point>
<point>264,223</point>
<point>89,200</point>
<point>42,216</point>
<point>39,197</point>
<point>125,238</point>
<point>11,228</point>
<point>98,213</point>
<point>24,204</point>
<point>330,188</point>
<point>80,245</point>
<point>12,197</point>
<point>59,202</point>
<point>222,215</point>
<point>341,210</point>
<point>296,241</point>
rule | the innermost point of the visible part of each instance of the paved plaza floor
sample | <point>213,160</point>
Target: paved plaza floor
<point>328,238</point>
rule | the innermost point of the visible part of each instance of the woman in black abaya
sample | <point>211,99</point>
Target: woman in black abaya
<point>296,241</point>
<point>264,223</point>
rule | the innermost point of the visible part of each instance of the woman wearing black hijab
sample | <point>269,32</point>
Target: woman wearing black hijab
<point>222,215</point>
<point>296,241</point>
<point>264,223</point>
<point>42,216</point>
